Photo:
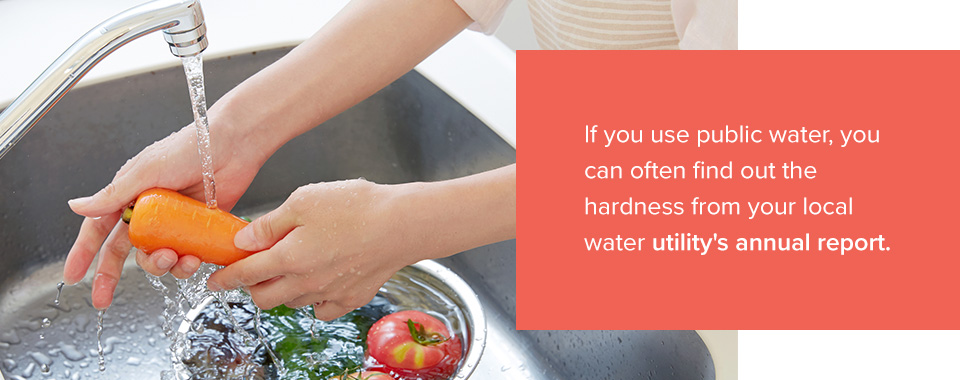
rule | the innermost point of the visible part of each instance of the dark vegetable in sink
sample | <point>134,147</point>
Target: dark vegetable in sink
<point>309,348</point>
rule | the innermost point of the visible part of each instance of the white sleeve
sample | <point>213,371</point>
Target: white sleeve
<point>486,14</point>
<point>706,24</point>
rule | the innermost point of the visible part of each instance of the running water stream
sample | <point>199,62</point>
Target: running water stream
<point>193,68</point>
<point>101,362</point>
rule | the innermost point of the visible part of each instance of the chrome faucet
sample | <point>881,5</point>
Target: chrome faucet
<point>180,20</point>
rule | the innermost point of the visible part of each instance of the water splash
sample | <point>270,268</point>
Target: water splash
<point>308,312</point>
<point>281,371</point>
<point>190,293</point>
<point>172,313</point>
<point>225,308</point>
<point>193,68</point>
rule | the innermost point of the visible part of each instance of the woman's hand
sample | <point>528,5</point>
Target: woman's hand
<point>172,163</point>
<point>330,244</point>
<point>333,245</point>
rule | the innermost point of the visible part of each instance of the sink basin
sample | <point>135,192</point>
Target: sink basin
<point>409,131</point>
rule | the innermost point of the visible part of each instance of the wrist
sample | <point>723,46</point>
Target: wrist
<point>238,130</point>
<point>408,219</point>
<point>439,219</point>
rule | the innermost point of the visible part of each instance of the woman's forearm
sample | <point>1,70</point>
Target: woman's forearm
<point>369,44</point>
<point>438,219</point>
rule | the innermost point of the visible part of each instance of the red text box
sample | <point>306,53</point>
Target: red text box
<point>903,188</point>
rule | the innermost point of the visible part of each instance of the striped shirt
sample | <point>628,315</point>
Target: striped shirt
<point>603,24</point>
<point>619,24</point>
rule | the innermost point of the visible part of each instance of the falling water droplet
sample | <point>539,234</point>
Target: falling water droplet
<point>281,370</point>
<point>56,301</point>
<point>225,307</point>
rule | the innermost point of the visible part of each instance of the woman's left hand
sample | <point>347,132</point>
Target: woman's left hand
<point>331,245</point>
<point>334,244</point>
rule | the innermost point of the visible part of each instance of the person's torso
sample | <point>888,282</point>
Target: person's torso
<point>603,24</point>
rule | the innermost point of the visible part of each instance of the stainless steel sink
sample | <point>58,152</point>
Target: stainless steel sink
<point>410,131</point>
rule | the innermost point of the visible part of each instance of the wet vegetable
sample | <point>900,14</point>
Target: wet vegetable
<point>414,345</point>
<point>310,349</point>
<point>314,349</point>
<point>164,218</point>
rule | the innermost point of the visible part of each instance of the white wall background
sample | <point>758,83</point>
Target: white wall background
<point>850,25</point>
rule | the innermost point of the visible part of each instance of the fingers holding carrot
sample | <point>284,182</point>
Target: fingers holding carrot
<point>102,211</point>
<point>329,244</point>
<point>109,267</point>
<point>169,163</point>
<point>165,260</point>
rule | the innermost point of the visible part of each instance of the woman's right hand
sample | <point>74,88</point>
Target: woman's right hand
<point>172,163</point>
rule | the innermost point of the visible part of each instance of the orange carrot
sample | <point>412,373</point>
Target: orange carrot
<point>164,218</point>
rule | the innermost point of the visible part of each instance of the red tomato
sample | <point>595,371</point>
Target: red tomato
<point>365,375</point>
<point>414,345</point>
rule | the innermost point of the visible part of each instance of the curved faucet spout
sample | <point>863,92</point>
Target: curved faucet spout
<point>180,20</point>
